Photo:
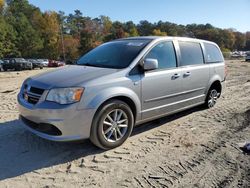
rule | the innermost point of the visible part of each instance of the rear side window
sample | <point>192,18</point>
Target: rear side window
<point>213,54</point>
<point>165,54</point>
<point>191,53</point>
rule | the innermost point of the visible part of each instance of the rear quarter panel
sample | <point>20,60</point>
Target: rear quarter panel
<point>217,73</point>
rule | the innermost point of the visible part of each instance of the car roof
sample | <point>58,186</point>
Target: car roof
<point>167,37</point>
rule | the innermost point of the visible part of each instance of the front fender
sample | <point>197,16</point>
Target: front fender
<point>109,93</point>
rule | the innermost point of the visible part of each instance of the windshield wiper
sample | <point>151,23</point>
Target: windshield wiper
<point>89,65</point>
<point>98,65</point>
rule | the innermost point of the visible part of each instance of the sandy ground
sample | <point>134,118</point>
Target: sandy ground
<point>195,148</point>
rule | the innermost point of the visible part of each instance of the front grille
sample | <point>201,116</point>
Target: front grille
<point>42,127</point>
<point>36,90</point>
<point>32,94</point>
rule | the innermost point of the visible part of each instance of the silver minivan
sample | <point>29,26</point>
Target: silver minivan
<point>121,84</point>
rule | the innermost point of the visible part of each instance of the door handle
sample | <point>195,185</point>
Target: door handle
<point>187,74</point>
<point>175,76</point>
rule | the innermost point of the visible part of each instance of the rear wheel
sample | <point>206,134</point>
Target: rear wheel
<point>212,98</point>
<point>112,125</point>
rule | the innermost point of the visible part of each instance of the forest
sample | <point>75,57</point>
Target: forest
<point>26,31</point>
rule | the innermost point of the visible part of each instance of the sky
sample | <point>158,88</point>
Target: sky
<point>220,13</point>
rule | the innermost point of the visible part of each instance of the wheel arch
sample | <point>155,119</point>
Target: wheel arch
<point>216,84</point>
<point>123,94</point>
<point>126,100</point>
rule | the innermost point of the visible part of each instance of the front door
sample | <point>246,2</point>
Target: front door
<point>161,87</point>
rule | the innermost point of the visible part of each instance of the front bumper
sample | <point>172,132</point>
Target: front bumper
<point>73,124</point>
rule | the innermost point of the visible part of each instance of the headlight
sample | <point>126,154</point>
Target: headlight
<point>65,95</point>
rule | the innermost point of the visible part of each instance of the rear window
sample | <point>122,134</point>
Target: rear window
<point>212,54</point>
<point>191,53</point>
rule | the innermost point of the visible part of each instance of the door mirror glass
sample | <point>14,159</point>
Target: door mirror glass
<point>150,64</point>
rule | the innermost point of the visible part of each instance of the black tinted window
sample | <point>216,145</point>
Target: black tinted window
<point>213,54</point>
<point>191,53</point>
<point>117,54</point>
<point>165,54</point>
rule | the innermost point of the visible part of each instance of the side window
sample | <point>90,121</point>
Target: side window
<point>191,53</point>
<point>165,54</point>
<point>213,54</point>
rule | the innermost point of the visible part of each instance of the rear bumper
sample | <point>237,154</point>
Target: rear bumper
<point>73,124</point>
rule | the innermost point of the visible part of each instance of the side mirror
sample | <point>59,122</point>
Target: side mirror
<point>150,64</point>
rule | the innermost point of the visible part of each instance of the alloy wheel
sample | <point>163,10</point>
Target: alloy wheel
<point>213,96</point>
<point>115,125</point>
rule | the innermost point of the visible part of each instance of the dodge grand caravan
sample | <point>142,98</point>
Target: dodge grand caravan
<point>121,84</point>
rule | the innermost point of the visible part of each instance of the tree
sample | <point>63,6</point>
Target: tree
<point>145,28</point>
<point>2,3</point>
<point>87,42</point>
<point>51,36</point>
<point>247,47</point>
<point>28,41</point>
<point>158,32</point>
<point>7,40</point>
<point>75,23</point>
<point>106,25</point>
<point>130,29</point>
<point>71,46</point>
<point>240,41</point>
<point>28,32</point>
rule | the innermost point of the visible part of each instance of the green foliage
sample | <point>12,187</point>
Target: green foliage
<point>86,42</point>
<point>25,31</point>
<point>158,32</point>
<point>2,3</point>
<point>7,40</point>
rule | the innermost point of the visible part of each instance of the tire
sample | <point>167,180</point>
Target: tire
<point>18,69</point>
<point>212,97</point>
<point>117,131</point>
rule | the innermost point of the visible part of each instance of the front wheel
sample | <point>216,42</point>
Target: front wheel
<point>212,98</point>
<point>112,125</point>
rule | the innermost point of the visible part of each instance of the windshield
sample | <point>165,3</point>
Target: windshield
<point>116,54</point>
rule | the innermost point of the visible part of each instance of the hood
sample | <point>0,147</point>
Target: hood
<point>68,76</point>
